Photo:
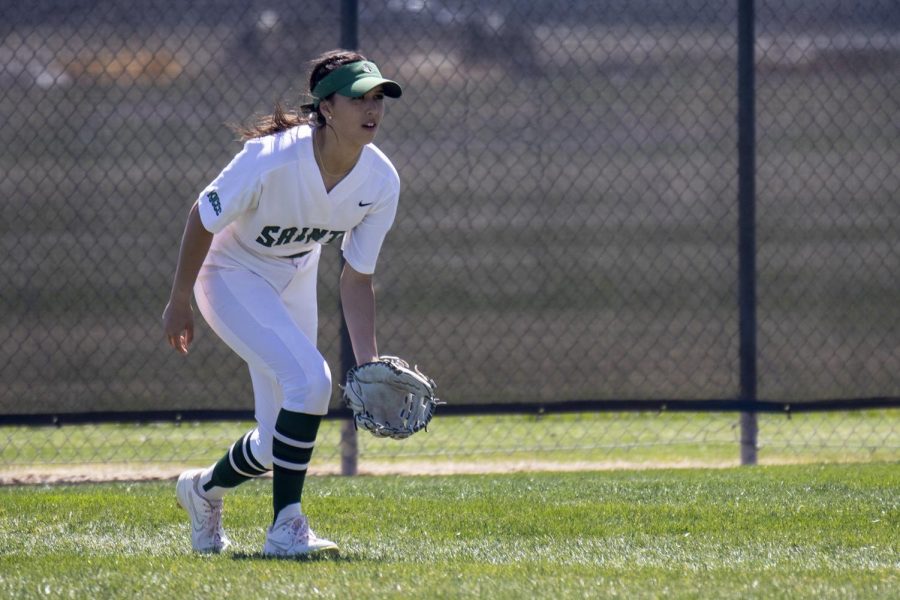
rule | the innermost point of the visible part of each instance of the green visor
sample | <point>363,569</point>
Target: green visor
<point>353,80</point>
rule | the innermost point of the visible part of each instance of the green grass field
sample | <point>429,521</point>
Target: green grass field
<point>808,531</point>
<point>465,444</point>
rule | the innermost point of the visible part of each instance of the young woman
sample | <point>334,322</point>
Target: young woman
<point>250,253</point>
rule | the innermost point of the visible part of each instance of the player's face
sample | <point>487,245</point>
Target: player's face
<point>358,119</point>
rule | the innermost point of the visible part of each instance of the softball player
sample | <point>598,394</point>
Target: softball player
<point>250,253</point>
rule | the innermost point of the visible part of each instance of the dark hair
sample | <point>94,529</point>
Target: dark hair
<point>280,119</point>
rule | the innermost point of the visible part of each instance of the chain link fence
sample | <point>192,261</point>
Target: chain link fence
<point>568,220</point>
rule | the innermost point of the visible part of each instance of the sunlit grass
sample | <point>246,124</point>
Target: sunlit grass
<point>769,532</point>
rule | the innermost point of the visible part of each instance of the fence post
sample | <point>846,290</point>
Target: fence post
<point>349,443</point>
<point>747,225</point>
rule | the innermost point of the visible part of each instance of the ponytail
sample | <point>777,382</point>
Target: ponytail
<point>307,114</point>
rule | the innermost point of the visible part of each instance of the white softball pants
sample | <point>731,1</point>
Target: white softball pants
<point>267,313</point>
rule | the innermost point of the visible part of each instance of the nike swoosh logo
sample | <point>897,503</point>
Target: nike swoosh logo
<point>366,203</point>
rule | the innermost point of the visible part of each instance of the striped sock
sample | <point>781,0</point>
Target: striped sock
<point>237,466</point>
<point>292,448</point>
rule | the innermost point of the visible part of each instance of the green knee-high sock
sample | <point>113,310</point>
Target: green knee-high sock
<point>237,466</point>
<point>292,448</point>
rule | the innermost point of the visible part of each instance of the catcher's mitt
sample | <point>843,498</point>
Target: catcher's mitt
<point>389,399</point>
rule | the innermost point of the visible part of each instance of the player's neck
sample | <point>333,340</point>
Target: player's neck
<point>335,159</point>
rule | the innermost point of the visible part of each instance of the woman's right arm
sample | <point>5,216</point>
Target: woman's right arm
<point>178,317</point>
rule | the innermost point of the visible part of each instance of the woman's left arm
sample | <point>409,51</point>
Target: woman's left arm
<point>358,301</point>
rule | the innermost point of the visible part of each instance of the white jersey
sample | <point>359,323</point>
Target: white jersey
<point>271,201</point>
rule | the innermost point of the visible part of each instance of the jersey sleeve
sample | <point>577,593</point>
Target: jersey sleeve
<point>233,192</point>
<point>362,244</point>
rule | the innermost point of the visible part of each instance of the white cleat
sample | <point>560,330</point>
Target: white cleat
<point>292,537</point>
<point>207,534</point>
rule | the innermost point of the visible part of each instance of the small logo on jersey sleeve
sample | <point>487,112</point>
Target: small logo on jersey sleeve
<point>213,198</point>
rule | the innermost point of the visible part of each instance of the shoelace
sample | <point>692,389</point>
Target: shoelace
<point>297,525</point>
<point>215,518</point>
<point>300,528</point>
<point>212,517</point>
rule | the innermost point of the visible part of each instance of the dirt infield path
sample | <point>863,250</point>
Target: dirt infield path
<point>88,473</point>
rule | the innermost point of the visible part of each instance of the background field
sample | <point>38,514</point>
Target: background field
<point>767,532</point>
<point>482,444</point>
